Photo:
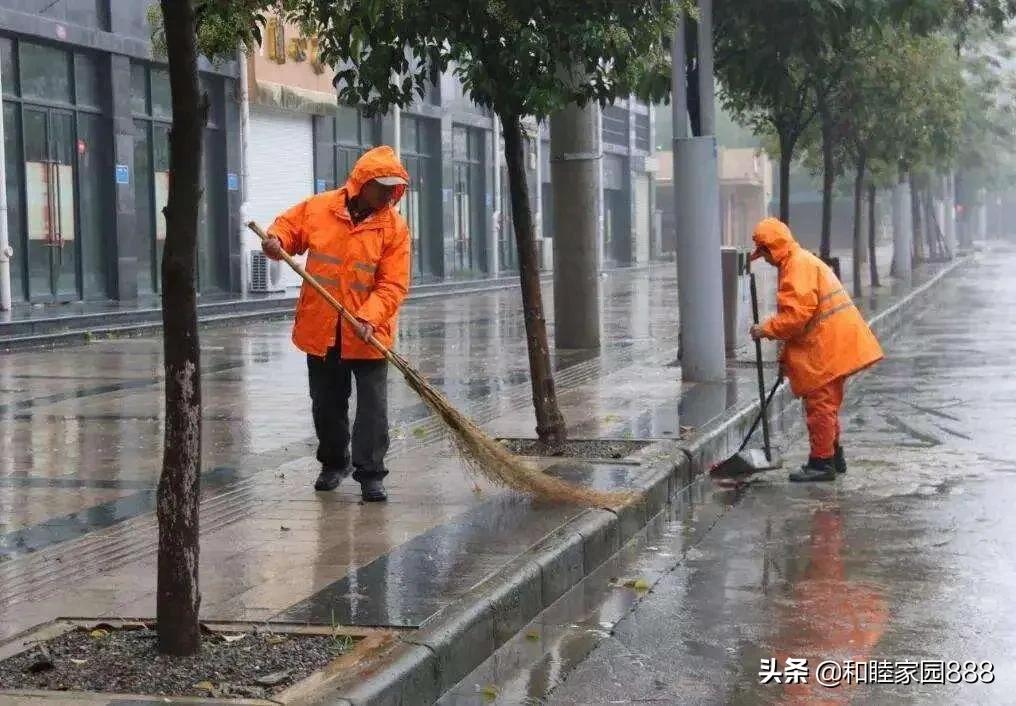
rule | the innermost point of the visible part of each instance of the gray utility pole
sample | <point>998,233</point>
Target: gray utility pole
<point>697,213</point>
<point>575,155</point>
<point>903,232</point>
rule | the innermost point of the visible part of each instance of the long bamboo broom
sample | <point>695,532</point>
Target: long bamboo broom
<point>483,455</point>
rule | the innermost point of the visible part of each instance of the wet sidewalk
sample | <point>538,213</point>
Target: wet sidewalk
<point>901,566</point>
<point>80,448</point>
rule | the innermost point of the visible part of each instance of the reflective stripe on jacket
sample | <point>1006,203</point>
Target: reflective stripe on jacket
<point>826,336</point>
<point>365,266</point>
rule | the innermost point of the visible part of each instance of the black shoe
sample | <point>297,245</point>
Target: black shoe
<point>839,462</point>
<point>329,479</point>
<point>373,491</point>
<point>817,469</point>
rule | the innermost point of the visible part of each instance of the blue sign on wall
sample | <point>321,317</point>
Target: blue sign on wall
<point>320,185</point>
<point>123,174</point>
<point>232,182</point>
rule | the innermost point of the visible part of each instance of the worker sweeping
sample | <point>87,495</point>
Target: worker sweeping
<point>825,341</point>
<point>358,248</point>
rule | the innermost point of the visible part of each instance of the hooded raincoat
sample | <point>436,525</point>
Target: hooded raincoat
<point>825,336</point>
<point>365,266</point>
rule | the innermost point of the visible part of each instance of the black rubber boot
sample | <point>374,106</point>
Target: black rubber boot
<point>373,491</point>
<point>839,461</point>
<point>817,469</point>
<point>330,478</point>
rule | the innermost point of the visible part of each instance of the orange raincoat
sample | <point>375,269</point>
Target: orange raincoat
<point>365,266</point>
<point>826,336</point>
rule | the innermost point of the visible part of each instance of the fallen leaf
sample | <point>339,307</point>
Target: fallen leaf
<point>98,633</point>
<point>419,432</point>
<point>78,662</point>
<point>205,686</point>
<point>283,528</point>
<point>490,692</point>
<point>276,639</point>
<point>532,636</point>
<point>273,679</point>
<point>233,638</point>
<point>638,584</point>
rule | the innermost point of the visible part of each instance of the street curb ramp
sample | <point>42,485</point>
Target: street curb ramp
<point>453,642</point>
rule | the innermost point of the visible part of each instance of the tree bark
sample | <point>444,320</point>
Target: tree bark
<point>828,181</point>
<point>550,426</point>
<point>872,258</point>
<point>178,595</point>
<point>858,221</point>
<point>786,157</point>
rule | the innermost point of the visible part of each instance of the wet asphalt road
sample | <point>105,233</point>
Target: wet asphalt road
<point>910,557</point>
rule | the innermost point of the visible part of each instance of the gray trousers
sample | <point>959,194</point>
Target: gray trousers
<point>331,383</point>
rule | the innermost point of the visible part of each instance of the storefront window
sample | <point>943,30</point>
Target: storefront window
<point>87,84</point>
<point>9,67</point>
<point>45,73</point>
<point>162,98</point>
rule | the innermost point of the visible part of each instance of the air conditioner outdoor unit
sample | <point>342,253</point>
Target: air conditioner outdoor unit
<point>265,274</point>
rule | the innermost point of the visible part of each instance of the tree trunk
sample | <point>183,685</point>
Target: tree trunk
<point>917,218</point>
<point>550,426</point>
<point>872,258</point>
<point>858,222</point>
<point>930,224</point>
<point>786,157</point>
<point>179,597</point>
<point>828,182</point>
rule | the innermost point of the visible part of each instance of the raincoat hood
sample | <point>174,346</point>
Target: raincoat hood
<point>375,163</point>
<point>774,235</point>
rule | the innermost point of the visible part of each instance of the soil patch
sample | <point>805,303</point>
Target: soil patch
<point>578,448</point>
<point>252,665</point>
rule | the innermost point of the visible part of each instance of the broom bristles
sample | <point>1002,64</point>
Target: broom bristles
<point>489,458</point>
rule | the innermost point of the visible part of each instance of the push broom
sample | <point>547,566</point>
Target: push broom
<point>482,454</point>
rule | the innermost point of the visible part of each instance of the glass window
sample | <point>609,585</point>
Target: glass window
<point>87,89</point>
<point>143,208</point>
<point>45,73</point>
<point>139,89</point>
<point>162,99</point>
<point>370,131</point>
<point>347,125</point>
<point>410,141</point>
<point>12,154</point>
<point>324,152</point>
<point>9,68</point>
<point>460,143</point>
<point>476,145</point>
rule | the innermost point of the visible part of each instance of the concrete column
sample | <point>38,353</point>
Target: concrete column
<point>5,246</point>
<point>697,212</point>
<point>576,175</point>
<point>126,238</point>
<point>903,233</point>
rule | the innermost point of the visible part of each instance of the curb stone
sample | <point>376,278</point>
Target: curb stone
<point>457,639</point>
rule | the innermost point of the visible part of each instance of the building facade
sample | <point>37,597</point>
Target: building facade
<point>86,121</point>
<point>86,117</point>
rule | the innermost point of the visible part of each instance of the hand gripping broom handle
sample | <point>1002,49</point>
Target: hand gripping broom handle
<point>323,292</point>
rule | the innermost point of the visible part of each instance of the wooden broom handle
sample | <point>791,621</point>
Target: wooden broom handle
<point>321,290</point>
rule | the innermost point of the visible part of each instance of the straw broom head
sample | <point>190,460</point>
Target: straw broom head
<point>493,461</point>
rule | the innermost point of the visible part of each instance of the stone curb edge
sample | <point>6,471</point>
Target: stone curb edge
<point>456,640</point>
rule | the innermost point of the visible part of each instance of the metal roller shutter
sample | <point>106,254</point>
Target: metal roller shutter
<point>281,153</point>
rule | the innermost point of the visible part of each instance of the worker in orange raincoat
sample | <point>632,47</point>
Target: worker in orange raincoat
<point>358,248</point>
<point>825,340</point>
